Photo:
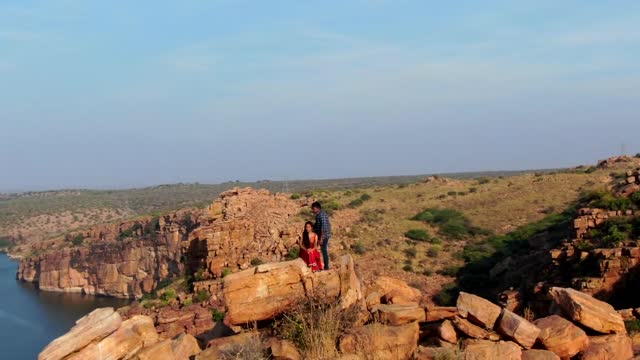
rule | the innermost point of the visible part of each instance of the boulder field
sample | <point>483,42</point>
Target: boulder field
<point>390,322</point>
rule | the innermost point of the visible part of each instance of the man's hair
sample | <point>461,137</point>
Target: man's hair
<point>316,205</point>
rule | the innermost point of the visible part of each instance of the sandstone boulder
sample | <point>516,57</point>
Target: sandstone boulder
<point>617,346</point>
<point>447,333</point>
<point>183,347</point>
<point>394,291</point>
<point>266,291</point>
<point>132,336</point>
<point>518,328</point>
<point>588,311</point>
<point>469,329</point>
<point>561,336</point>
<point>93,327</point>
<point>482,312</point>
<point>381,341</point>
<point>399,314</point>
<point>439,313</point>
<point>485,349</point>
<point>232,347</point>
<point>539,355</point>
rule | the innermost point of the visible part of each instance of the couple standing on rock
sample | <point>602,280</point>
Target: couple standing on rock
<point>314,235</point>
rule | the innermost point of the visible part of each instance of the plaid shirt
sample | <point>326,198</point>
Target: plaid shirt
<point>323,226</point>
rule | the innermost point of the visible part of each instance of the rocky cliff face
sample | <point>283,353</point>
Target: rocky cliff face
<point>131,258</point>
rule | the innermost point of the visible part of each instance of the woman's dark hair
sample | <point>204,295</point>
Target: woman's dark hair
<point>305,235</point>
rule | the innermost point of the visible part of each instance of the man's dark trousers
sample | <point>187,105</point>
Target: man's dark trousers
<point>325,252</point>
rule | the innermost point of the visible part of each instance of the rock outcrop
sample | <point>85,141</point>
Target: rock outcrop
<point>129,259</point>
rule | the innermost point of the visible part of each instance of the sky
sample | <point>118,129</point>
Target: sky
<point>112,94</point>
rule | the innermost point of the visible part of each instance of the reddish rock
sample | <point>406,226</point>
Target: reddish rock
<point>95,326</point>
<point>485,349</point>
<point>399,314</point>
<point>561,336</point>
<point>518,328</point>
<point>588,311</point>
<point>394,291</point>
<point>469,329</point>
<point>617,346</point>
<point>282,350</point>
<point>382,342</point>
<point>447,333</point>
<point>478,310</point>
<point>439,313</point>
<point>539,355</point>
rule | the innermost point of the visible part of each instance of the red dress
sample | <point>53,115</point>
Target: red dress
<point>312,258</point>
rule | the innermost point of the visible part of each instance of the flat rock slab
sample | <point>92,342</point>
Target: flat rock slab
<point>382,341</point>
<point>561,336</point>
<point>93,327</point>
<point>399,314</point>
<point>588,311</point>
<point>481,311</point>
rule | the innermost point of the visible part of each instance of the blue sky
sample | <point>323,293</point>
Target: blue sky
<point>132,93</point>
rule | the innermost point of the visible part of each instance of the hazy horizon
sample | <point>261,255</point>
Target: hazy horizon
<point>121,94</point>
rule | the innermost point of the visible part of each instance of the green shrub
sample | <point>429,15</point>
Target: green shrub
<point>635,198</point>
<point>638,155</point>
<point>417,234</point>
<point>294,253</point>
<point>434,251</point>
<point>167,295</point>
<point>408,268</point>
<point>473,190</point>
<point>452,270</point>
<point>411,252</point>
<point>202,296</point>
<point>359,248</point>
<point>483,180</point>
<point>187,302</point>
<point>217,315</point>
<point>226,271</point>
<point>461,193</point>
<point>452,193</point>
<point>359,201</point>
<point>613,231</point>
<point>163,283</point>
<point>78,240</point>
<point>633,326</point>
<point>256,262</point>
<point>451,223</point>
<point>436,241</point>
<point>427,272</point>
<point>295,196</point>
<point>149,296</point>
<point>605,200</point>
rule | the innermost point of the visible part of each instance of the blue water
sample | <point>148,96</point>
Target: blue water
<point>30,319</point>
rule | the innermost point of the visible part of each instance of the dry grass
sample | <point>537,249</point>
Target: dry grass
<point>447,354</point>
<point>251,349</point>
<point>315,328</point>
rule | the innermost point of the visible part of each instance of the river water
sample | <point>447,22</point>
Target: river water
<point>30,319</point>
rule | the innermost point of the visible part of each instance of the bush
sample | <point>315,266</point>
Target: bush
<point>461,193</point>
<point>411,252</point>
<point>483,180</point>
<point>452,193</point>
<point>226,271</point>
<point>433,251</point>
<point>295,196</point>
<point>633,326</point>
<point>451,223</point>
<point>294,253</point>
<point>217,315</point>
<point>436,241</point>
<point>359,201</point>
<point>473,190</point>
<point>605,200</point>
<point>331,206</point>
<point>202,296</point>
<point>450,270</point>
<point>635,198</point>
<point>417,234</point>
<point>408,268</point>
<point>315,327</point>
<point>256,262</point>
<point>78,240</point>
<point>638,155</point>
<point>359,248</point>
<point>167,295</point>
<point>613,231</point>
<point>371,216</point>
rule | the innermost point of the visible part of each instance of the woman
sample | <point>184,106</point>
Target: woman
<point>308,249</point>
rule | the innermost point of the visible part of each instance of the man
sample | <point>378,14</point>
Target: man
<point>323,229</point>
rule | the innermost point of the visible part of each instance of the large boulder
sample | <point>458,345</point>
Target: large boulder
<point>439,313</point>
<point>133,335</point>
<point>561,336</point>
<point>266,291</point>
<point>518,328</point>
<point>482,312</point>
<point>588,311</point>
<point>399,314</point>
<point>469,329</point>
<point>184,346</point>
<point>382,342</point>
<point>393,291</point>
<point>447,332</point>
<point>613,347</point>
<point>485,349</point>
<point>93,327</point>
<point>539,355</point>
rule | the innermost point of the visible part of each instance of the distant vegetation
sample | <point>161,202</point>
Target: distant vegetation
<point>451,223</point>
<point>417,234</point>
